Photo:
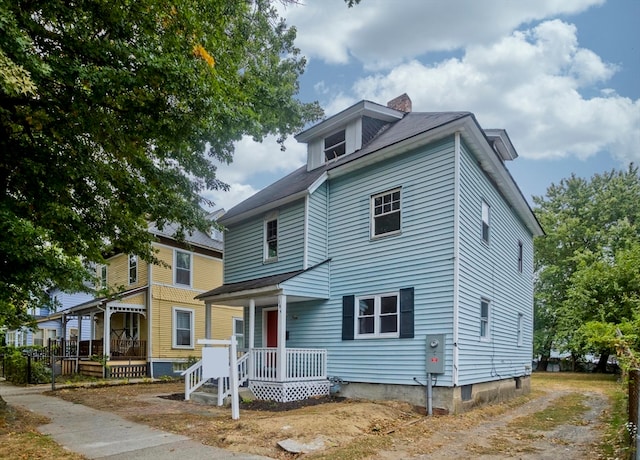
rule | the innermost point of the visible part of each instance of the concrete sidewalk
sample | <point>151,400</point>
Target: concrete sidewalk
<point>98,434</point>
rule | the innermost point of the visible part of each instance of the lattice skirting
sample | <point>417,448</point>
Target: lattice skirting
<point>289,391</point>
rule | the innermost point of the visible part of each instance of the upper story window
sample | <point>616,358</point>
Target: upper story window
<point>484,319</point>
<point>519,326</point>
<point>182,270</point>
<point>133,269</point>
<point>271,238</point>
<point>385,213</point>
<point>103,276</point>
<point>520,256</point>
<point>238,331</point>
<point>486,215</point>
<point>377,316</point>
<point>335,145</point>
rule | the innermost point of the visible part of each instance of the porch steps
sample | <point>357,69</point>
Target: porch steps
<point>209,396</point>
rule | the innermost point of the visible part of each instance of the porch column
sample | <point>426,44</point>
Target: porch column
<point>64,334</point>
<point>252,335</point>
<point>207,320</point>
<point>92,331</point>
<point>106,336</point>
<point>281,372</point>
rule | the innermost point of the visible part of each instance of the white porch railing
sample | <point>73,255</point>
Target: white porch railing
<point>303,364</point>
<point>193,379</point>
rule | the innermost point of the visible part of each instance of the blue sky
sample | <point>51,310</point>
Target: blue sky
<point>561,76</point>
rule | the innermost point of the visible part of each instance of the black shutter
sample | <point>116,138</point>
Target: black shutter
<point>406,313</point>
<point>348,311</point>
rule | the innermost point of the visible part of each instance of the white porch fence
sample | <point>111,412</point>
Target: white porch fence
<point>306,375</point>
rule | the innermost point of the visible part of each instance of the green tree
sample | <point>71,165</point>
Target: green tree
<point>585,221</point>
<point>114,114</point>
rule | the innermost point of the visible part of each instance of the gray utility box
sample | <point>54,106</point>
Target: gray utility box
<point>435,353</point>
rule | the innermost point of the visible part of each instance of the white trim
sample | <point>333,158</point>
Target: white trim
<point>372,217</point>
<point>456,255</point>
<point>519,329</point>
<point>174,328</point>
<point>305,253</point>
<point>175,268</point>
<point>376,316</point>
<point>318,182</point>
<point>129,256</point>
<point>270,217</point>
<point>486,337</point>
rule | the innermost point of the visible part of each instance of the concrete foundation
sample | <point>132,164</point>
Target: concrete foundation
<point>451,400</point>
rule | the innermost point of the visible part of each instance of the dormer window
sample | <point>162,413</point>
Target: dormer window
<point>335,145</point>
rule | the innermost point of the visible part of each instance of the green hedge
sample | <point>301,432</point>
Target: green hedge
<point>15,366</point>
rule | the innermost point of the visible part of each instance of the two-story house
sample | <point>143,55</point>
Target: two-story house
<point>150,327</point>
<point>399,256</point>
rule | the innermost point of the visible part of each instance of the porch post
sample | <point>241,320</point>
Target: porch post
<point>106,336</point>
<point>252,336</point>
<point>207,320</point>
<point>92,331</point>
<point>281,372</point>
<point>64,334</point>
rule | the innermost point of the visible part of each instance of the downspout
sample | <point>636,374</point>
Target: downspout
<point>456,255</point>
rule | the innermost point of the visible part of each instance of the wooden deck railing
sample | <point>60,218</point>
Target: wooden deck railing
<point>120,348</point>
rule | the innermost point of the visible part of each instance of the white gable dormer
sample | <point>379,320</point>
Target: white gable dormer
<point>343,133</point>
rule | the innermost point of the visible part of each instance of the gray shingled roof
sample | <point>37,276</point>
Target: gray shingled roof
<point>196,238</point>
<point>255,283</point>
<point>412,124</point>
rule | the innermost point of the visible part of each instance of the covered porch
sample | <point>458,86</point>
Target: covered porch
<point>273,370</point>
<point>117,335</point>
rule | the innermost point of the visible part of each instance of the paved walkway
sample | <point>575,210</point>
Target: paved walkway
<point>99,434</point>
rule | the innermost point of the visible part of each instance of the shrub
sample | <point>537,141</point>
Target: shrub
<point>16,363</point>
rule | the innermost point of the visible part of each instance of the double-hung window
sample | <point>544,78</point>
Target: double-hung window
<point>519,326</point>
<point>335,145</point>
<point>484,319</point>
<point>238,331</point>
<point>182,270</point>
<point>103,276</point>
<point>133,269</point>
<point>486,214</point>
<point>385,213</point>
<point>377,315</point>
<point>520,256</point>
<point>271,238</point>
<point>182,328</point>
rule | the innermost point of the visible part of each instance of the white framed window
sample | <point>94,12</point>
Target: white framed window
<point>133,269</point>
<point>520,256</point>
<point>335,145</point>
<point>486,220</point>
<point>182,268</point>
<point>385,213</point>
<point>103,276</point>
<point>238,331</point>
<point>485,305</point>
<point>519,326</point>
<point>183,336</point>
<point>271,238</point>
<point>377,315</point>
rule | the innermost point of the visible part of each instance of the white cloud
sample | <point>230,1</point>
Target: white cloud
<point>250,160</point>
<point>528,83</point>
<point>382,33</point>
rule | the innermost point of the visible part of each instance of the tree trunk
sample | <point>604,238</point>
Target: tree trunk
<point>542,364</point>
<point>601,367</point>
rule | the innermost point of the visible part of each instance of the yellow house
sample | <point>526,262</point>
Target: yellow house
<point>153,324</point>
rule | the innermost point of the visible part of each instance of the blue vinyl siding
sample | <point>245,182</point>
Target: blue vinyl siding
<point>317,232</point>
<point>420,257</point>
<point>244,246</point>
<point>491,271</point>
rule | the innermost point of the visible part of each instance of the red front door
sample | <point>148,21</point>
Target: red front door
<point>272,328</point>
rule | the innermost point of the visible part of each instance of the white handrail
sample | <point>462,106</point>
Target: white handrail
<point>192,379</point>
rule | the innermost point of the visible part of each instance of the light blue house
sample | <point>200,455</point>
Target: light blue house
<point>402,250</point>
<point>49,323</point>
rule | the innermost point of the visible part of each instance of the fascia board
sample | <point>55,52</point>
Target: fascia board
<point>363,108</point>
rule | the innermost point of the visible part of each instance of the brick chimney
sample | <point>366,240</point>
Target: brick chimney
<point>401,103</point>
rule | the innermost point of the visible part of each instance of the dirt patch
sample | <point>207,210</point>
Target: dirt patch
<point>374,429</point>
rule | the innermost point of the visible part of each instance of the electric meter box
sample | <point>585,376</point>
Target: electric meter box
<point>435,353</point>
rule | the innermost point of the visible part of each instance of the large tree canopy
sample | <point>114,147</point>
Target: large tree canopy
<point>587,264</point>
<point>111,113</point>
